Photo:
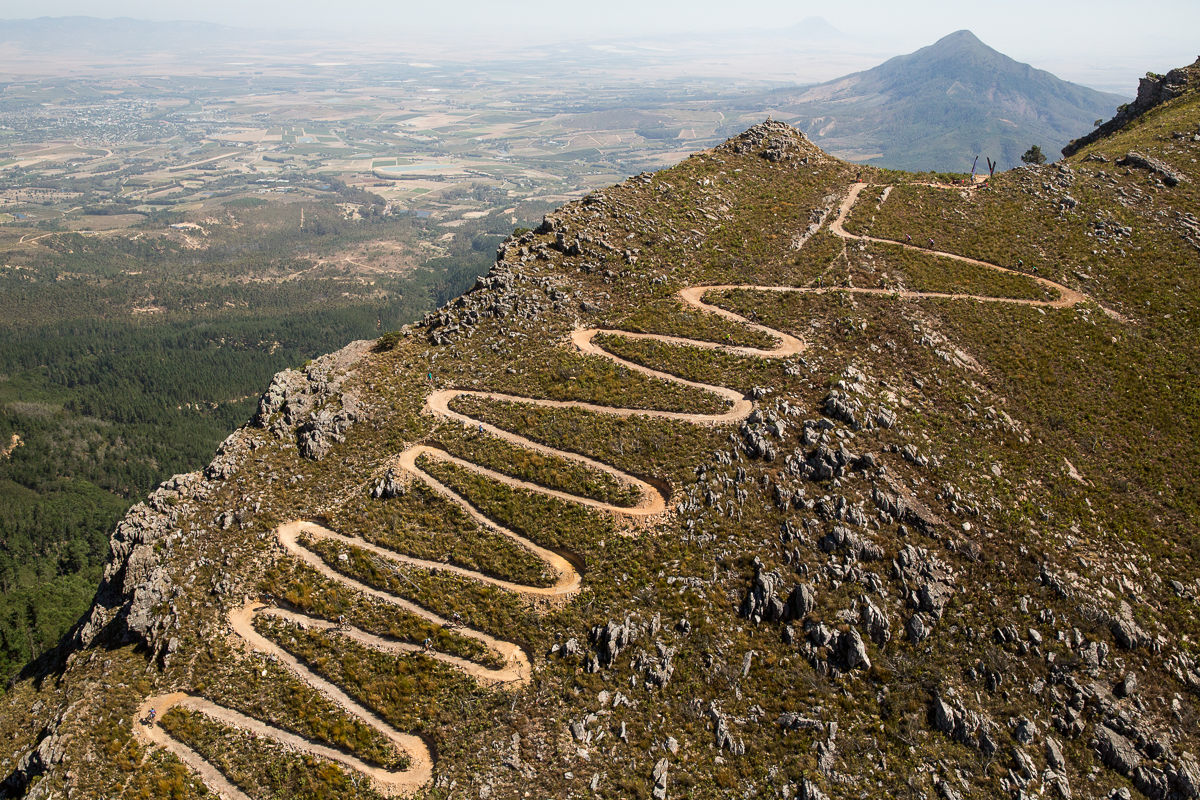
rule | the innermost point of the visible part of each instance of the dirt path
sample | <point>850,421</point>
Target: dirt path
<point>389,782</point>
<point>652,500</point>
<point>1066,295</point>
<point>517,667</point>
<point>34,239</point>
<point>515,673</point>
<point>288,534</point>
<point>156,736</point>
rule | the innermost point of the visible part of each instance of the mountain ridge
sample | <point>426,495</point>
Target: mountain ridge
<point>122,34</point>
<point>946,519</point>
<point>958,93</point>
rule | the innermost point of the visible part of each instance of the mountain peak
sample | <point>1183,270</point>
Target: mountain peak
<point>945,104</point>
<point>956,51</point>
<point>959,37</point>
<point>815,28</point>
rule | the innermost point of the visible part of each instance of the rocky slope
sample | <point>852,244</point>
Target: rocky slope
<point>902,505</point>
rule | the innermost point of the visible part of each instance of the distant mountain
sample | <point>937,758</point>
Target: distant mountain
<point>943,105</point>
<point>118,35</point>
<point>814,28</point>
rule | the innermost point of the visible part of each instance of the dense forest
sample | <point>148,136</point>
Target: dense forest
<point>104,403</point>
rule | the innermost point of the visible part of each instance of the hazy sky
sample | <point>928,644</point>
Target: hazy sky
<point>1046,34</point>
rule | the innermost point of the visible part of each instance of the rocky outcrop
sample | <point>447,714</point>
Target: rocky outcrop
<point>825,648</point>
<point>134,583</point>
<point>722,737</point>
<point>1116,751</point>
<point>48,752</point>
<point>311,404</point>
<point>1169,176</point>
<point>875,622</point>
<point>387,487</point>
<point>609,640</point>
<point>1127,633</point>
<point>905,509</point>
<point>1179,778</point>
<point>762,601</point>
<point>773,140</point>
<point>1153,90</point>
<point>134,602</point>
<point>506,292</point>
<point>972,728</point>
<point>658,668</point>
<point>858,545</point>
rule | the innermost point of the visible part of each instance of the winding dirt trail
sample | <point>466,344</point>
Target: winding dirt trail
<point>517,667</point>
<point>418,773</point>
<point>1066,295</point>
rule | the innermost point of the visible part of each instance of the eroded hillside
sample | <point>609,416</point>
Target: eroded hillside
<point>743,478</point>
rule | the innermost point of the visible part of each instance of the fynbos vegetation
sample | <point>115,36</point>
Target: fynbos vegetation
<point>901,507</point>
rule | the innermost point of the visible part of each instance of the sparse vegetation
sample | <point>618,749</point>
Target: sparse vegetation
<point>546,470</point>
<point>939,510</point>
<point>423,524</point>
<point>306,590</point>
<point>261,768</point>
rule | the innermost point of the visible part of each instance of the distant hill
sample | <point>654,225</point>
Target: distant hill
<point>814,28</point>
<point>943,105</point>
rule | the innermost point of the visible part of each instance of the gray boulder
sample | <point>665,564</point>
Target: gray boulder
<point>854,650</point>
<point>1126,631</point>
<point>761,602</point>
<point>875,622</point>
<point>918,628</point>
<point>1115,750</point>
<point>387,487</point>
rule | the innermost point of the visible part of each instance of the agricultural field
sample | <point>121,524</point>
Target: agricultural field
<point>450,143</point>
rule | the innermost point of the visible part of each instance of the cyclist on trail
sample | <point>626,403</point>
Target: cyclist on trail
<point>456,618</point>
<point>150,716</point>
<point>931,243</point>
<point>908,238</point>
<point>428,644</point>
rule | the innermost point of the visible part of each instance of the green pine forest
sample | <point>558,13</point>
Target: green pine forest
<point>106,403</point>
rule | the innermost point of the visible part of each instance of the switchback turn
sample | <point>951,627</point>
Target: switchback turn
<point>517,664</point>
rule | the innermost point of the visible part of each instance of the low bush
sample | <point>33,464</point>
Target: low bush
<point>423,524</point>
<point>262,769</point>
<point>530,466</point>
<point>302,588</point>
